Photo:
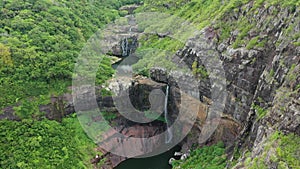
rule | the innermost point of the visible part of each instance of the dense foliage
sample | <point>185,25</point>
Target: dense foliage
<point>39,43</point>
<point>44,144</point>
<point>208,157</point>
<point>40,40</point>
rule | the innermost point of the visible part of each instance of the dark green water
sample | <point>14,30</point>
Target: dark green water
<point>156,162</point>
<point>128,61</point>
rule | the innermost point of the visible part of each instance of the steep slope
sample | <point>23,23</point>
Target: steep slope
<point>258,43</point>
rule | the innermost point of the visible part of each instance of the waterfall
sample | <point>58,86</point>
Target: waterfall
<point>124,46</point>
<point>169,131</point>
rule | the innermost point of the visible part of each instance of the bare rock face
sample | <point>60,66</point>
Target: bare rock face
<point>135,131</point>
<point>140,93</point>
<point>159,74</point>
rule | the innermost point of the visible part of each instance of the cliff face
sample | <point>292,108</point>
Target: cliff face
<point>262,74</point>
<point>261,58</point>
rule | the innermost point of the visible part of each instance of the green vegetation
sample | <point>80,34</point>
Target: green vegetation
<point>283,150</point>
<point>260,112</point>
<point>40,41</point>
<point>39,44</point>
<point>5,56</point>
<point>203,13</point>
<point>154,51</point>
<point>292,76</point>
<point>154,42</point>
<point>45,144</point>
<point>154,116</point>
<point>104,92</point>
<point>298,87</point>
<point>109,115</point>
<point>199,71</point>
<point>243,28</point>
<point>28,109</point>
<point>252,43</point>
<point>236,155</point>
<point>272,73</point>
<point>199,13</point>
<point>297,43</point>
<point>211,157</point>
<point>105,71</point>
<point>288,149</point>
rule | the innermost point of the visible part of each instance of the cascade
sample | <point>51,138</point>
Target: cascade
<point>169,131</point>
<point>124,46</point>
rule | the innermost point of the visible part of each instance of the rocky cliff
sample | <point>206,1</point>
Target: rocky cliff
<point>258,45</point>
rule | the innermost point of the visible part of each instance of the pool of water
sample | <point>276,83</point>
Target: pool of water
<point>160,161</point>
<point>127,61</point>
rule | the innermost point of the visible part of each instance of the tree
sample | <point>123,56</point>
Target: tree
<point>5,56</point>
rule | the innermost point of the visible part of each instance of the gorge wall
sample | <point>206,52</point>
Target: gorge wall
<point>262,75</point>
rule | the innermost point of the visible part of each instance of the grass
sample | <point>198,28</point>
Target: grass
<point>202,13</point>
<point>252,43</point>
<point>260,112</point>
<point>296,43</point>
<point>298,87</point>
<point>292,76</point>
<point>272,73</point>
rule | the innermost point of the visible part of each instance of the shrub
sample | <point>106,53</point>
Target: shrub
<point>206,157</point>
